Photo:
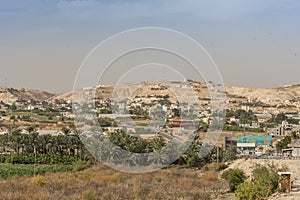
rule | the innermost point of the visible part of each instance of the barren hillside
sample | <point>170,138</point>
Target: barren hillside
<point>269,96</point>
<point>12,95</point>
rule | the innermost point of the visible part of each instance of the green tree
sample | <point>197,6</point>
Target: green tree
<point>283,144</point>
<point>267,175</point>
<point>157,143</point>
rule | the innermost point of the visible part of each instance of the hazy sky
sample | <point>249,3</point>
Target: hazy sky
<point>43,42</point>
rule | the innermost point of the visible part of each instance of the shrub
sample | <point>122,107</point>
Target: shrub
<point>265,182</point>
<point>234,178</point>
<point>267,175</point>
<point>251,190</point>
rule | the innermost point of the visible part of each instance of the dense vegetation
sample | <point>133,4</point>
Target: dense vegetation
<point>30,158</point>
<point>66,144</point>
<point>277,119</point>
<point>227,127</point>
<point>67,149</point>
<point>192,157</point>
<point>246,117</point>
<point>9,170</point>
<point>263,183</point>
<point>32,154</point>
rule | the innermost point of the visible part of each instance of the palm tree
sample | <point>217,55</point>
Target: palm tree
<point>157,143</point>
<point>94,145</point>
<point>33,141</point>
<point>79,144</point>
<point>111,152</point>
<point>158,157</point>
<point>132,159</point>
<point>16,141</point>
<point>45,143</point>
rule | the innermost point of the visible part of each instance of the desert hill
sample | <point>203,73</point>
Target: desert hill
<point>270,96</point>
<point>11,95</point>
<point>289,95</point>
<point>267,95</point>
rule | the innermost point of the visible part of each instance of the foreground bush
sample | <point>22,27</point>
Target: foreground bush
<point>234,177</point>
<point>264,183</point>
<point>251,190</point>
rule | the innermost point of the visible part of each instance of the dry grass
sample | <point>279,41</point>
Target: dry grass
<point>101,182</point>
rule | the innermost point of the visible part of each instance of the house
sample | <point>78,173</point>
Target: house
<point>230,142</point>
<point>234,119</point>
<point>263,117</point>
<point>3,132</point>
<point>25,132</point>
<point>295,148</point>
<point>67,114</point>
<point>252,125</point>
<point>246,148</point>
<point>207,120</point>
<point>245,107</point>
<point>182,123</point>
<point>49,132</point>
<point>286,125</point>
<point>284,129</point>
<point>30,107</point>
<point>275,131</point>
<point>131,130</point>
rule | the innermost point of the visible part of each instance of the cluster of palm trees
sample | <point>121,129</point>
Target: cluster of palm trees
<point>120,148</point>
<point>17,142</point>
<point>117,148</point>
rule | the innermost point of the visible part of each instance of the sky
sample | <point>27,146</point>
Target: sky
<point>254,43</point>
